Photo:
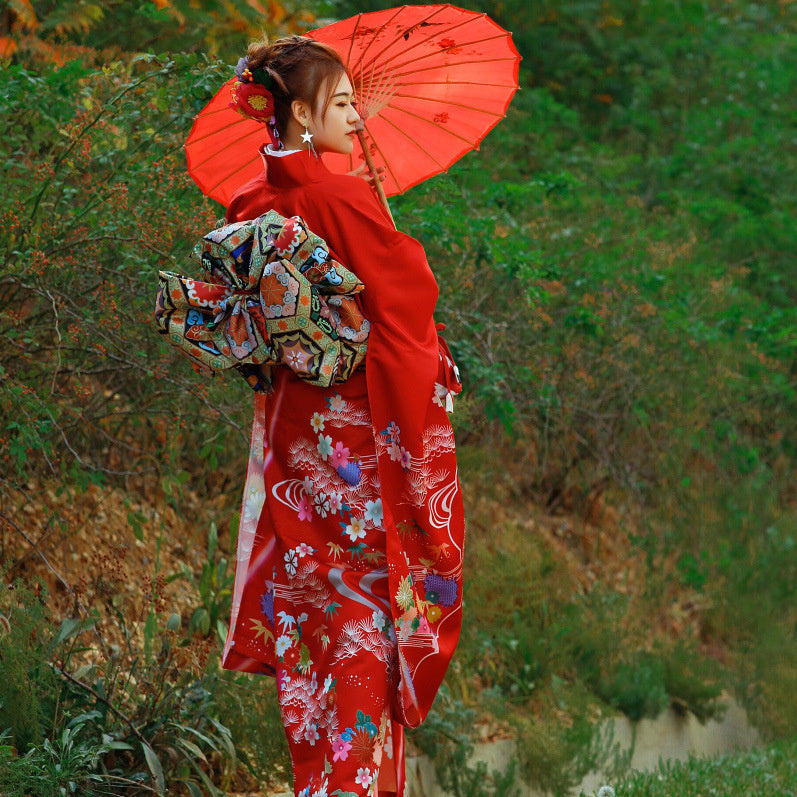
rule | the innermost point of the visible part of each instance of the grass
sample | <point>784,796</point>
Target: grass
<point>769,772</point>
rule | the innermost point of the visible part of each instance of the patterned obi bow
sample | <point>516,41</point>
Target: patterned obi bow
<point>273,297</point>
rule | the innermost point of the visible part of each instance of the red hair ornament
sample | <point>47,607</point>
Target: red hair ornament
<point>252,100</point>
<point>252,97</point>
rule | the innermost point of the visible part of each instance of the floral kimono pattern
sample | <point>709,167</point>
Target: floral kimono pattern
<point>315,603</point>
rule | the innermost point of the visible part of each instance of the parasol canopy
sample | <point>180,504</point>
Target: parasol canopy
<point>430,82</point>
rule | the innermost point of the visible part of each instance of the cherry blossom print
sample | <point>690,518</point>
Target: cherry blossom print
<point>311,734</point>
<point>364,777</point>
<point>340,456</point>
<point>305,508</point>
<point>327,463</point>
<point>335,502</point>
<point>303,549</point>
<point>374,512</point>
<point>340,749</point>
<point>291,561</point>
<point>337,403</point>
<point>324,446</point>
<point>355,529</point>
<point>321,503</point>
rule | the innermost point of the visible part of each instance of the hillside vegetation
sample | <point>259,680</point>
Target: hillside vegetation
<point>617,274</point>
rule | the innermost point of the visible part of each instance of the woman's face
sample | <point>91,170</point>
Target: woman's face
<point>334,130</point>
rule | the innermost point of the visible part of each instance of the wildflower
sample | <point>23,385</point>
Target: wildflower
<point>379,618</point>
<point>406,459</point>
<point>291,561</point>
<point>283,643</point>
<point>317,422</point>
<point>394,450</point>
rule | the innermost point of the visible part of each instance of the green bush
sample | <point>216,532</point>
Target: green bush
<point>97,200</point>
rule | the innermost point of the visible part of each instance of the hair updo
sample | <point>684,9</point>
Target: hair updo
<point>299,66</point>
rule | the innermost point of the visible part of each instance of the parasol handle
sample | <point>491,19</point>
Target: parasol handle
<point>372,168</point>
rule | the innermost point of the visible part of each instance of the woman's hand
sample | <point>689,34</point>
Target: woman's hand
<point>369,177</point>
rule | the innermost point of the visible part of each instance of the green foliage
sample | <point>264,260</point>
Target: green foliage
<point>29,688</point>
<point>214,589</point>
<point>555,757</point>
<point>249,708</point>
<point>111,719</point>
<point>637,687</point>
<point>69,765</point>
<point>445,738</point>
<point>97,199</point>
<point>770,772</point>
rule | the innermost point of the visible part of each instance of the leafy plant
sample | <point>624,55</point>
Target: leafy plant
<point>445,738</point>
<point>214,589</point>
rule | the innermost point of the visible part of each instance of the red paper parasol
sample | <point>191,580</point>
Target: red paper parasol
<point>431,82</point>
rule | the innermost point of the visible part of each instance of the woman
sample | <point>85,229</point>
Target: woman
<point>348,585</point>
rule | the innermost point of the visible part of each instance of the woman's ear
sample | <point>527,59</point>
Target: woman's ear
<point>300,111</point>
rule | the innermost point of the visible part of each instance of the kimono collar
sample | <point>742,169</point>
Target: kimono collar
<point>299,168</point>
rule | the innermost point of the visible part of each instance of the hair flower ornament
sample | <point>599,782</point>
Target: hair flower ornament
<point>251,93</point>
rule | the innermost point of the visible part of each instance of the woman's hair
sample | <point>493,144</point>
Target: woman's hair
<point>299,66</point>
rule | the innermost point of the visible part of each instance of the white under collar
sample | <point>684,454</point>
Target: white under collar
<point>278,153</point>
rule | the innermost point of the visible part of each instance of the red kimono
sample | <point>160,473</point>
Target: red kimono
<point>349,577</point>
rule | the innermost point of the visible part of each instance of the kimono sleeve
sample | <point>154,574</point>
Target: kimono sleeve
<point>399,297</point>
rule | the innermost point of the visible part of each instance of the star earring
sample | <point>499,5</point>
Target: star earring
<point>307,138</point>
